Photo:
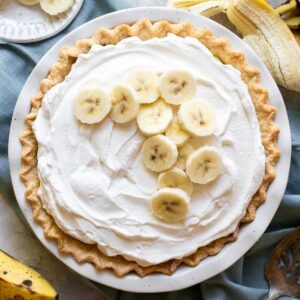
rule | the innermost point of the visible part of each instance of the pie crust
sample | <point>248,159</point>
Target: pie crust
<point>144,29</point>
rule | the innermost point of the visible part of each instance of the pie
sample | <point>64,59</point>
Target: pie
<point>148,146</point>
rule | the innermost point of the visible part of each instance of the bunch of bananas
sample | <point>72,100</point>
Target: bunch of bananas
<point>265,29</point>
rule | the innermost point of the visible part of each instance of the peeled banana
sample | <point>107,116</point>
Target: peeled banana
<point>17,281</point>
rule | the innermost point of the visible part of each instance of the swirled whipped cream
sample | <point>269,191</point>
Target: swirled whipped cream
<point>93,182</point>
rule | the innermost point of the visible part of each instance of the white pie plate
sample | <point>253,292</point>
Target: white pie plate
<point>249,234</point>
<point>29,23</point>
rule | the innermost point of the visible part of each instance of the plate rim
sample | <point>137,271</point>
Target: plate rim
<point>185,276</point>
<point>25,40</point>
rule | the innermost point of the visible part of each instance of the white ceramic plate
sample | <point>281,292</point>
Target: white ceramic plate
<point>249,234</point>
<point>25,24</point>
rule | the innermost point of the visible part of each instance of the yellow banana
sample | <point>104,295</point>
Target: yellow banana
<point>18,281</point>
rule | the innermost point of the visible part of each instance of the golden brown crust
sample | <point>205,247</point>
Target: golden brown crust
<point>144,29</point>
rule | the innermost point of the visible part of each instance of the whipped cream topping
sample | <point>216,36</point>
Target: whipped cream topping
<point>92,179</point>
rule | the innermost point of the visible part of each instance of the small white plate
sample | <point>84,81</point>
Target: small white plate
<point>185,276</point>
<point>25,24</point>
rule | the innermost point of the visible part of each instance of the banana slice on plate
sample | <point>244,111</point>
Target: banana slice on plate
<point>176,133</point>
<point>91,105</point>
<point>28,2</point>
<point>175,178</point>
<point>197,117</point>
<point>170,204</point>
<point>183,153</point>
<point>55,7</point>
<point>159,153</point>
<point>204,165</point>
<point>177,86</point>
<point>145,82</point>
<point>124,104</point>
<point>154,118</point>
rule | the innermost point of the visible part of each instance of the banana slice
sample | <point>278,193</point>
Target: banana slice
<point>145,83</point>
<point>91,105</point>
<point>176,133</point>
<point>170,204</point>
<point>159,153</point>
<point>175,178</point>
<point>154,118</point>
<point>28,2</point>
<point>204,165</point>
<point>177,87</point>
<point>124,104</point>
<point>55,7</point>
<point>197,117</point>
<point>183,153</point>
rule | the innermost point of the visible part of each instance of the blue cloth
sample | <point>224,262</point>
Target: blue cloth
<point>245,279</point>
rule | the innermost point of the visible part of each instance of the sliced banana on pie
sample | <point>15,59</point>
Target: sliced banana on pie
<point>204,165</point>
<point>176,133</point>
<point>145,82</point>
<point>170,204</point>
<point>175,178</point>
<point>159,153</point>
<point>91,105</point>
<point>154,118</point>
<point>183,153</point>
<point>177,86</point>
<point>197,117</point>
<point>28,2</point>
<point>55,7</point>
<point>124,104</point>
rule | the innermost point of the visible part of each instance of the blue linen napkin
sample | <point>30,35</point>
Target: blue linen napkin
<point>245,279</point>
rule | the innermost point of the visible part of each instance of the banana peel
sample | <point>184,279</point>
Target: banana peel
<point>204,7</point>
<point>270,38</point>
<point>293,22</point>
<point>18,281</point>
<point>209,8</point>
<point>262,29</point>
<point>286,8</point>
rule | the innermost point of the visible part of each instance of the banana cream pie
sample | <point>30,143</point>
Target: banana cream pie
<point>148,146</point>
